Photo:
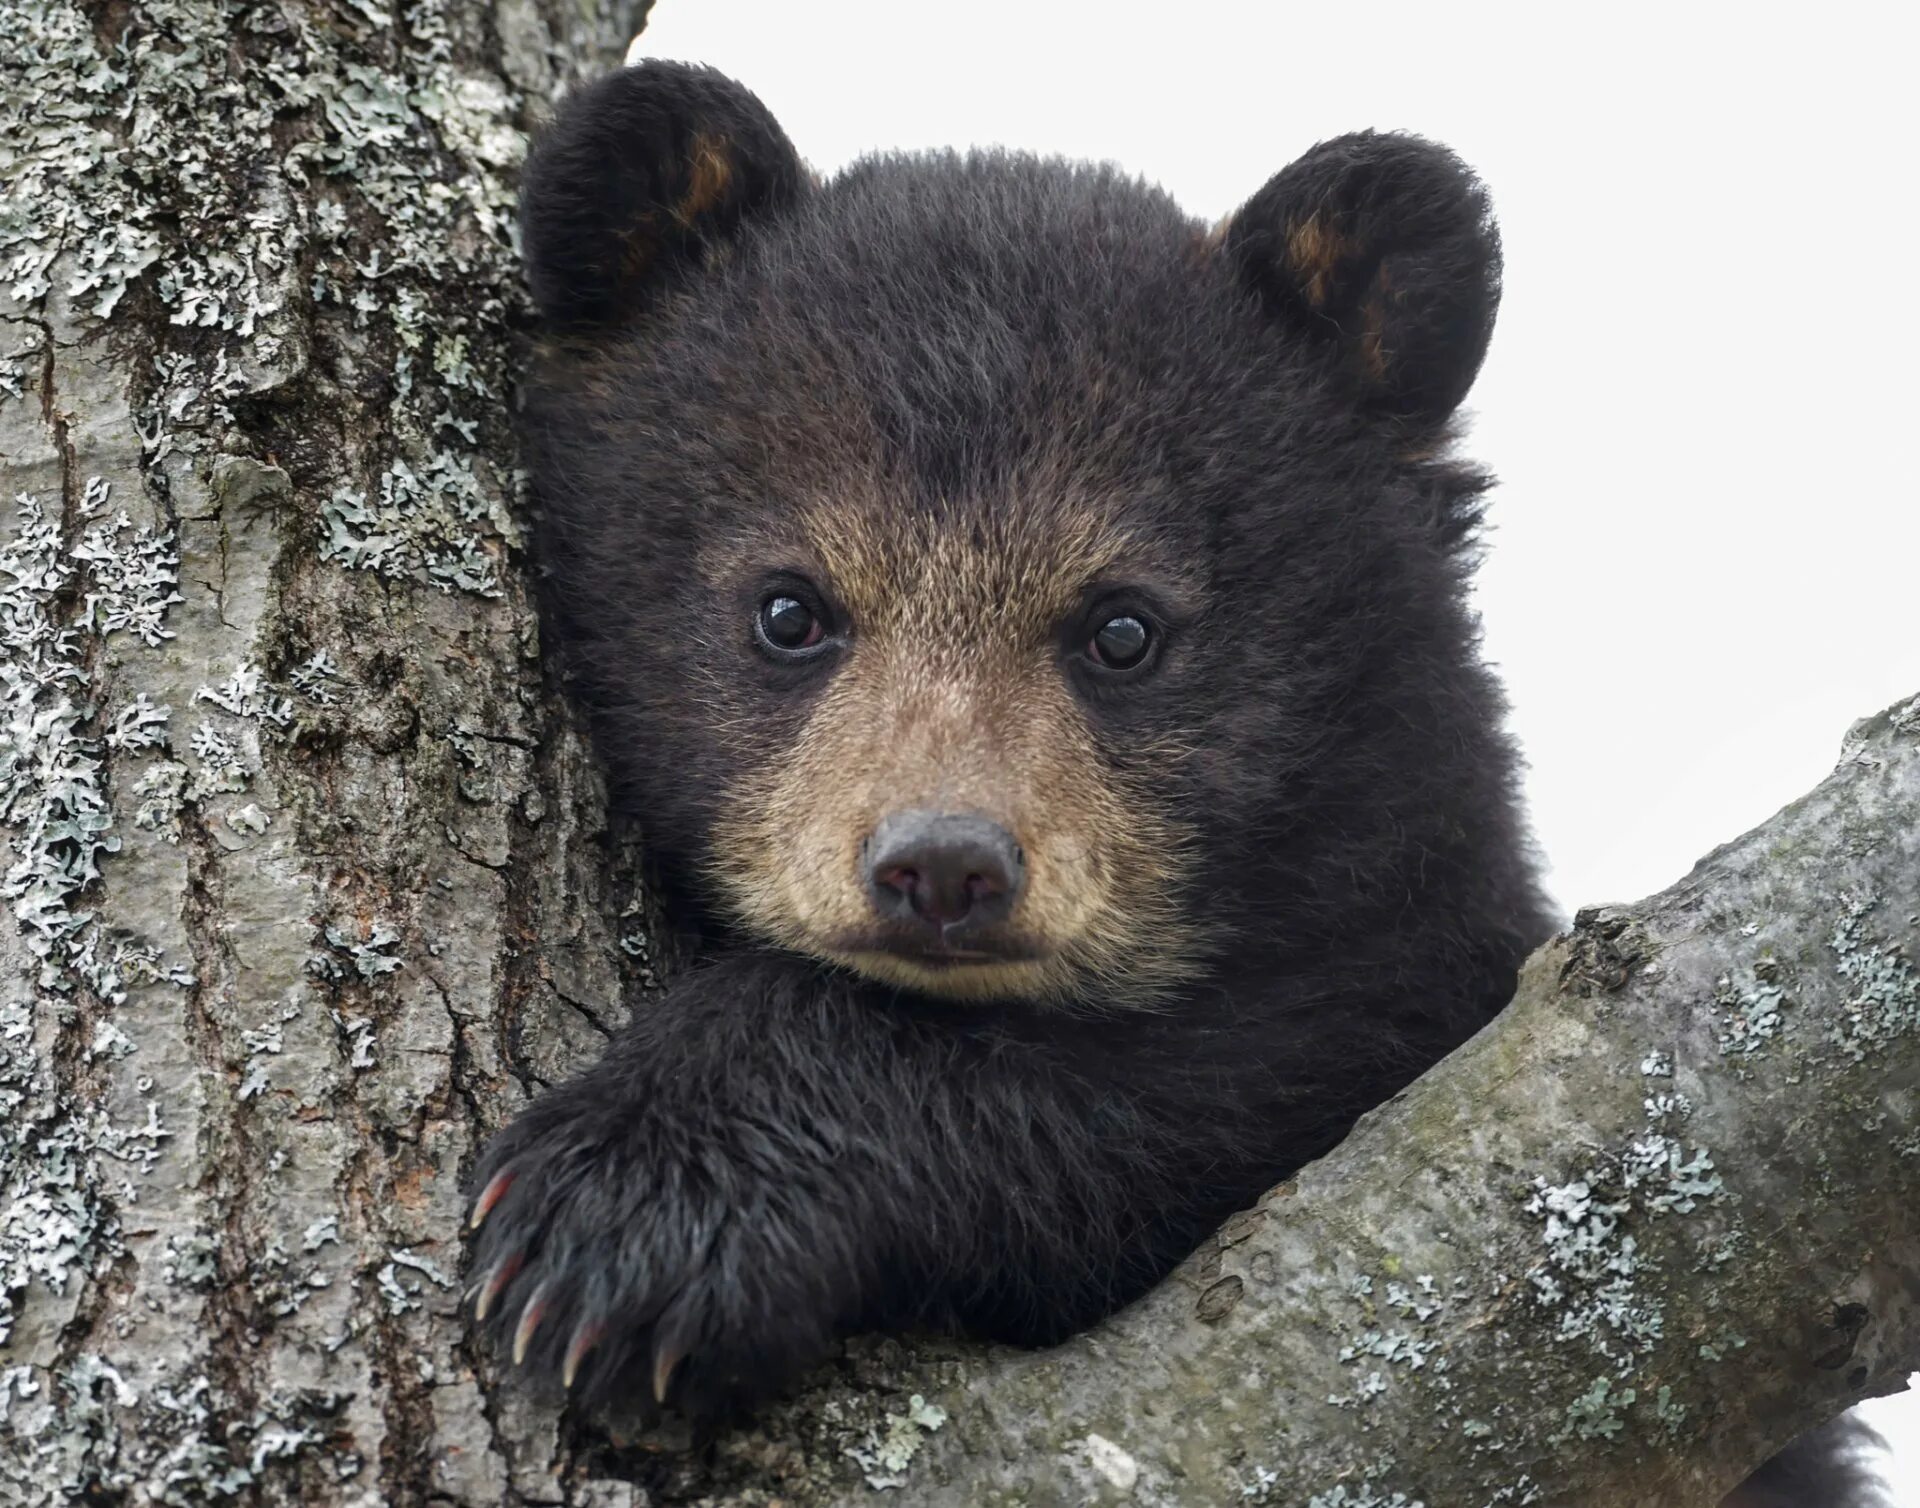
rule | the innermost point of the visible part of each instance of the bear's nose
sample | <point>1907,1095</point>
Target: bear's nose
<point>952,871</point>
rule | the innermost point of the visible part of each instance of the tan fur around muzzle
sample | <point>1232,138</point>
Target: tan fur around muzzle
<point>952,698</point>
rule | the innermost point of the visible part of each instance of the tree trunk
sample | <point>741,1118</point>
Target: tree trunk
<point>314,888</point>
<point>309,866</point>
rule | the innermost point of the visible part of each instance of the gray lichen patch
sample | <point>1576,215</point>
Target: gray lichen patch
<point>885,1449</point>
<point>316,679</point>
<point>245,694</point>
<point>202,1445</point>
<point>368,951</point>
<point>1266,1486</point>
<point>1364,1494</point>
<point>52,1220</point>
<point>64,1166</point>
<point>1593,1229</point>
<point>1882,1000</point>
<point>1399,1368</point>
<point>50,785</point>
<point>132,581</point>
<point>400,1280</point>
<point>1752,1009</point>
<point>1597,1413</point>
<point>52,741</point>
<point>415,524</point>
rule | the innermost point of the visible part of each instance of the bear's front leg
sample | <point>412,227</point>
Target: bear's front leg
<point>694,1218</point>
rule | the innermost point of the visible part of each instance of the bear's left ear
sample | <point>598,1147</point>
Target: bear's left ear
<point>640,176</point>
<point>1382,248</point>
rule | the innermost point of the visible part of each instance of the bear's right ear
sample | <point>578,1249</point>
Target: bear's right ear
<point>1380,249</point>
<point>641,174</point>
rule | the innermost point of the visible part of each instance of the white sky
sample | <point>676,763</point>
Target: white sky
<point>1702,390</point>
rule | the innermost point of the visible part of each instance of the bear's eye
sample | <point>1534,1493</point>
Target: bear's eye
<point>1120,643</point>
<point>788,626</point>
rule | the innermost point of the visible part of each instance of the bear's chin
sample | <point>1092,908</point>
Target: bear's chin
<point>960,976</point>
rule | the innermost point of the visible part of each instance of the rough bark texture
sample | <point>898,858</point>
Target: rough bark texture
<point>313,888</point>
<point>308,867</point>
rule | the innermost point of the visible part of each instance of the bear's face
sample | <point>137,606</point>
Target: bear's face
<point>957,672</point>
<point>979,569</point>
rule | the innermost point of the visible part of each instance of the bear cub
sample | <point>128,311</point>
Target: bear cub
<point>1031,630</point>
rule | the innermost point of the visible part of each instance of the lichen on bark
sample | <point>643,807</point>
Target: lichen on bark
<point>299,843</point>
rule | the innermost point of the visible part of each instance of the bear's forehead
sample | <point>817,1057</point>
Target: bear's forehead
<point>968,316</point>
<point>961,389</point>
<point>1010,565</point>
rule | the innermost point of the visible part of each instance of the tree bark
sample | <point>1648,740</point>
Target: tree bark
<point>314,887</point>
<point>309,867</point>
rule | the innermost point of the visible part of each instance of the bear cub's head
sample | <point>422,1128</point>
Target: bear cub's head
<point>989,579</point>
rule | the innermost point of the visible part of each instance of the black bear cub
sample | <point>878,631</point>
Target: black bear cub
<point>1031,630</point>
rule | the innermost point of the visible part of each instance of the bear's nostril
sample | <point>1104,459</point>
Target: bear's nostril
<point>949,870</point>
<point>899,878</point>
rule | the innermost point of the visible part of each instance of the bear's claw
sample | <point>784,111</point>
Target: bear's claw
<point>585,1337</point>
<point>496,1187</point>
<point>530,1317</point>
<point>496,1280</point>
<point>667,1356</point>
